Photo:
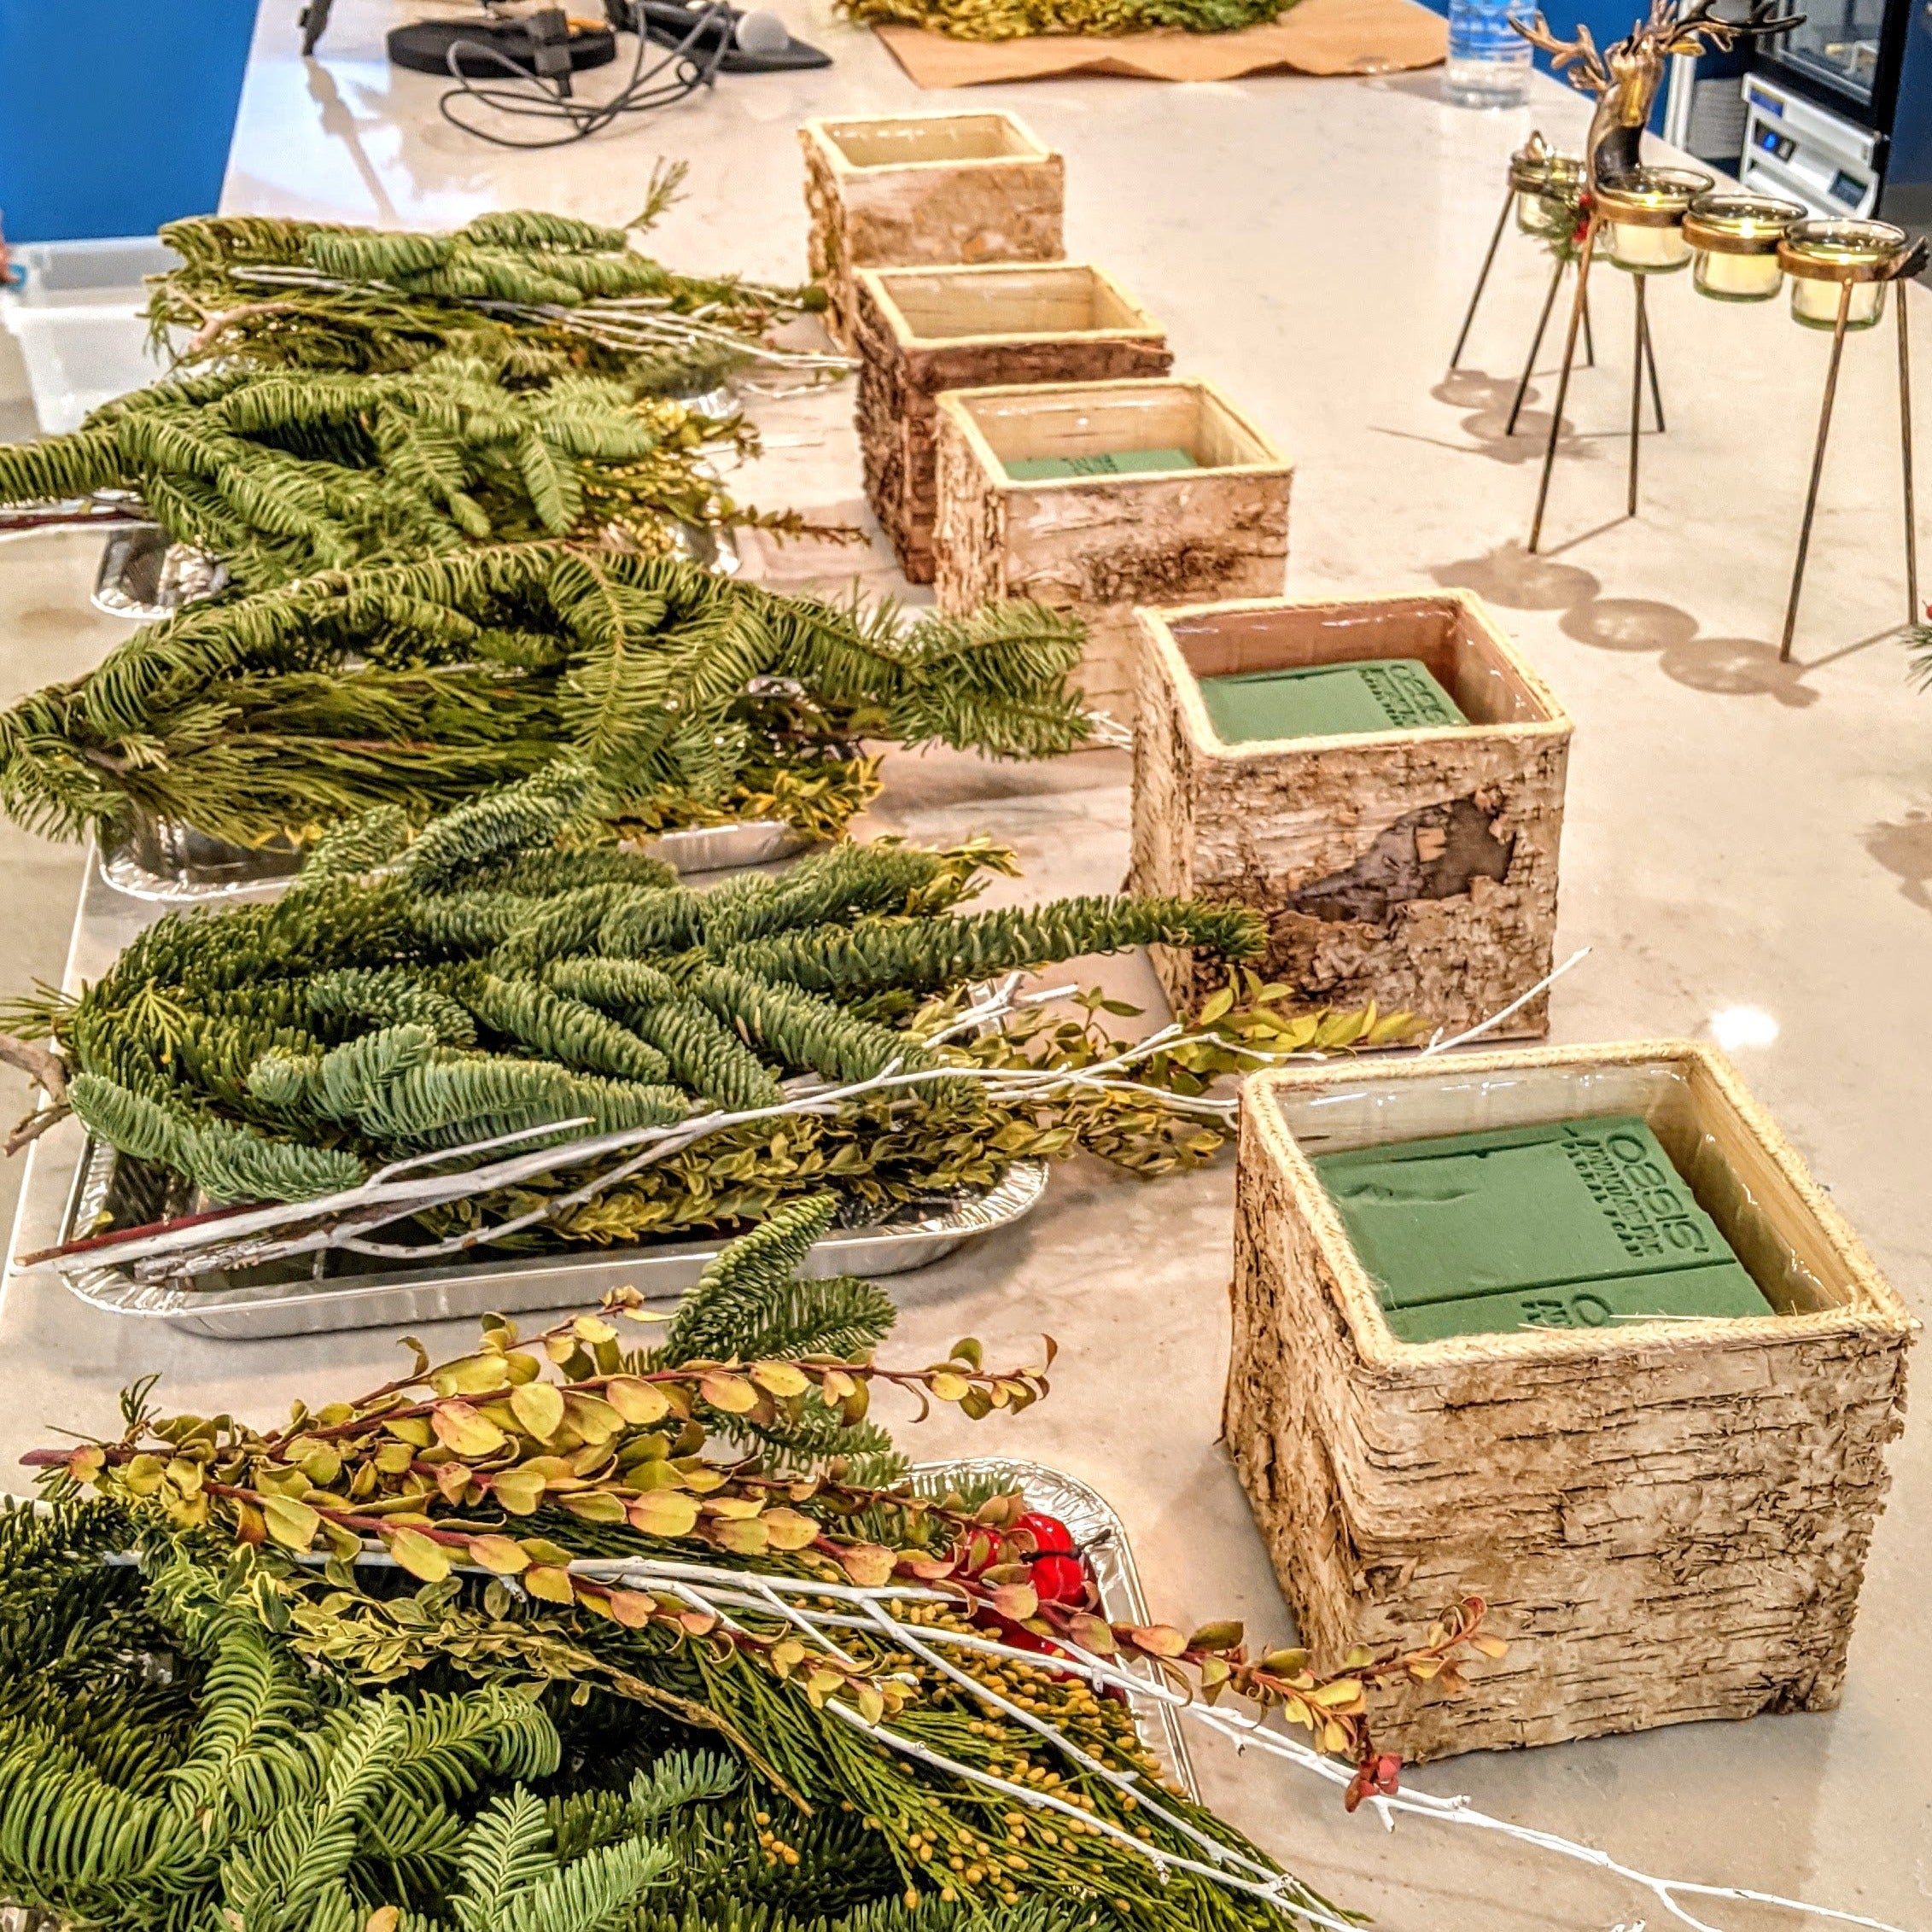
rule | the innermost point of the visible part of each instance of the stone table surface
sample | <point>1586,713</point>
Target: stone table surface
<point>1749,850</point>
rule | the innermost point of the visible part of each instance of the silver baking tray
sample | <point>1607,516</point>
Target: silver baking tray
<point>172,864</point>
<point>321,1293</point>
<point>1101,1538</point>
<point>147,577</point>
<point>165,860</point>
<point>718,847</point>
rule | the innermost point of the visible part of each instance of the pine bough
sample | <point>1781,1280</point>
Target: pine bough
<point>486,981</point>
<point>544,294</point>
<point>417,685</point>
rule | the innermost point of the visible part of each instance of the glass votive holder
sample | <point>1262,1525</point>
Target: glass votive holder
<point>1734,241</point>
<point>1826,257</point>
<point>1549,191</point>
<point>1642,218</point>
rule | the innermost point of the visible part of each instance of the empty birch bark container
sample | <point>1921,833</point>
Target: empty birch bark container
<point>918,189</point>
<point>1174,496</point>
<point>925,330</point>
<point>1670,1517</point>
<point>1413,865</point>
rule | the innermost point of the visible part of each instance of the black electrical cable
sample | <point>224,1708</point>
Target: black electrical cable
<point>530,94</point>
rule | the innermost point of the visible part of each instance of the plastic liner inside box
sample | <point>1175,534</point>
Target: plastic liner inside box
<point>1331,1121</point>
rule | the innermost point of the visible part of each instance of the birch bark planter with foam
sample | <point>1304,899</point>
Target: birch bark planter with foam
<point>1670,1519</point>
<point>925,330</point>
<point>914,189</point>
<point>1099,544</point>
<point>1416,868</point>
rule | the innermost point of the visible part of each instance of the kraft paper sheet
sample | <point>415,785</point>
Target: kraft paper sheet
<point>1318,37</point>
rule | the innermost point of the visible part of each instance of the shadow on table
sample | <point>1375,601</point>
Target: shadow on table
<point>1904,847</point>
<point>1729,667</point>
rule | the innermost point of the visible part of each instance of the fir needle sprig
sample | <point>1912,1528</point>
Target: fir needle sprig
<point>417,685</point>
<point>281,475</point>
<point>551,295</point>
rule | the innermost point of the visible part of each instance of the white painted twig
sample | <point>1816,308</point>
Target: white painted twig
<point>1439,1045</point>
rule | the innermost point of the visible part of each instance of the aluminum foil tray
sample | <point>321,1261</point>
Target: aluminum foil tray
<point>161,861</point>
<point>146,576</point>
<point>164,861</point>
<point>1101,1538</point>
<point>321,1294</point>
<point>717,848</point>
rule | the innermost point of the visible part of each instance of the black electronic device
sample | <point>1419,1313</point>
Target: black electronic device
<point>756,41</point>
<point>492,50</point>
<point>520,70</point>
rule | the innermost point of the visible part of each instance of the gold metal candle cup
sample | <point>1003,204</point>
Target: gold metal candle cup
<point>1734,241</point>
<point>1549,189</point>
<point>1643,219</point>
<point>1823,258</point>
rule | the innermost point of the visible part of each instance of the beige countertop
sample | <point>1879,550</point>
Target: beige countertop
<point>1744,838</point>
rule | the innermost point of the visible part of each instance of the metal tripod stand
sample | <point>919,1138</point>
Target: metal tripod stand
<point>1475,301</point>
<point>1899,274</point>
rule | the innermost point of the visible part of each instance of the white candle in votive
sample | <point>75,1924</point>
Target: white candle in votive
<point>1633,246</point>
<point>1740,278</point>
<point>1816,303</point>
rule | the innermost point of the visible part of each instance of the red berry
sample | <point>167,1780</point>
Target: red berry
<point>1059,1579</point>
<point>1016,1636</point>
<point>1051,1536</point>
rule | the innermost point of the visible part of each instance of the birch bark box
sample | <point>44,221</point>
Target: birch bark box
<point>1098,544</point>
<point>1669,1517</point>
<point>923,330</point>
<point>918,189</point>
<point>1416,868</point>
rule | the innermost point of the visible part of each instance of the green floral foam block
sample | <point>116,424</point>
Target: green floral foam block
<point>1578,1223</point>
<point>1107,463</point>
<point>1329,701</point>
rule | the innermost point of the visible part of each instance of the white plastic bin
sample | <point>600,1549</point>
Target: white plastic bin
<point>79,318</point>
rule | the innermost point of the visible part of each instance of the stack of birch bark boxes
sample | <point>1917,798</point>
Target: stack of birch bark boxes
<point>1568,1327</point>
<point>1021,434</point>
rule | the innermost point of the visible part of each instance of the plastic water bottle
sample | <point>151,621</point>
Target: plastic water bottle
<point>1489,61</point>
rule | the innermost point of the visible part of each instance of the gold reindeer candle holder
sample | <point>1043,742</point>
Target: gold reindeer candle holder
<point>1653,220</point>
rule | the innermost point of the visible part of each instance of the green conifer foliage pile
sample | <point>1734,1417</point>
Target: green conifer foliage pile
<point>1022,20</point>
<point>542,295</point>
<point>281,474</point>
<point>696,698</point>
<point>368,1675</point>
<point>489,979</point>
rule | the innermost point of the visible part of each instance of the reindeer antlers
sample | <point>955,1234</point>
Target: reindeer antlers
<point>1673,27</point>
<point>1688,30</point>
<point>1591,76</point>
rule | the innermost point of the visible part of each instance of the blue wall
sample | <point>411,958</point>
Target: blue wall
<point>116,114</point>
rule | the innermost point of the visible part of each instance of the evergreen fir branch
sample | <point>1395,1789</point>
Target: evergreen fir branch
<point>750,1303</point>
<point>229,1164</point>
<point>799,1031</point>
<point>541,294</point>
<point>875,955</point>
<point>282,475</point>
<point>563,1030</point>
<point>703,1055</point>
<point>277,716</point>
<point>276,1052</point>
<point>391,997</point>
